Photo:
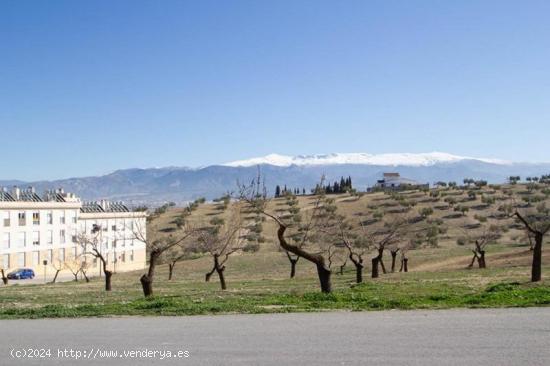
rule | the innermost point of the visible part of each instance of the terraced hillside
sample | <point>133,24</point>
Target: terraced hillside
<point>455,212</point>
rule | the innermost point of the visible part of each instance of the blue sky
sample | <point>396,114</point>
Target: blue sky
<point>87,87</point>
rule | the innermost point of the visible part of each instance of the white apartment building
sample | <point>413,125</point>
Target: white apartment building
<point>35,229</point>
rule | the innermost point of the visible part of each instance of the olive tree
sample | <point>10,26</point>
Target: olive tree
<point>156,247</point>
<point>221,240</point>
<point>314,240</point>
<point>537,223</point>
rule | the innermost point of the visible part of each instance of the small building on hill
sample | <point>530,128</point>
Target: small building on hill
<point>394,181</point>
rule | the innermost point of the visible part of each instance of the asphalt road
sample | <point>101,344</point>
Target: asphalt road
<point>447,337</point>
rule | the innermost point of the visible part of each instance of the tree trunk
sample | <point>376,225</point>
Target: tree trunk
<point>481,259</point>
<point>342,268</point>
<point>537,258</point>
<point>85,276</point>
<point>393,257</point>
<point>147,279</point>
<point>471,265</point>
<point>55,277</point>
<point>4,278</point>
<point>324,278</point>
<point>374,273</point>
<point>293,263</point>
<point>405,266</point>
<point>380,256</point>
<point>171,270</point>
<point>219,269</point>
<point>147,285</point>
<point>75,277</point>
<point>358,271</point>
<point>108,276</point>
<point>222,278</point>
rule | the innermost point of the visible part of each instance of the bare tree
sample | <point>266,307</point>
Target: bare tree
<point>74,265</point>
<point>221,240</point>
<point>536,222</point>
<point>4,278</point>
<point>404,257</point>
<point>356,245</point>
<point>480,239</point>
<point>293,259</point>
<point>176,254</point>
<point>91,245</point>
<point>294,221</point>
<point>316,243</point>
<point>58,265</point>
<point>388,233</point>
<point>85,266</point>
<point>156,248</point>
<point>394,250</point>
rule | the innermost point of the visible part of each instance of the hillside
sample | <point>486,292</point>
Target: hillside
<point>446,253</point>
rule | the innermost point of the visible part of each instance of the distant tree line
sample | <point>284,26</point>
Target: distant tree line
<point>284,191</point>
<point>344,186</point>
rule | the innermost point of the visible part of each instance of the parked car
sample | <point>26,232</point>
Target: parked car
<point>21,274</point>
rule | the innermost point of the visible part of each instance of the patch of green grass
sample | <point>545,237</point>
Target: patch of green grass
<point>395,291</point>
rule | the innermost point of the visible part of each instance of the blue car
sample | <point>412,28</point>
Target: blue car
<point>21,274</point>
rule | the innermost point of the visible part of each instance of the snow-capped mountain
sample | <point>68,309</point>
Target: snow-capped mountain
<point>399,159</point>
<point>159,185</point>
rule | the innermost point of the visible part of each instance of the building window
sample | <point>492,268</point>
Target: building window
<point>36,218</point>
<point>21,260</point>
<point>123,257</point>
<point>62,218</point>
<point>73,217</point>
<point>22,219</point>
<point>22,240</point>
<point>114,243</point>
<point>50,237</point>
<point>131,242</point>
<point>49,218</point>
<point>6,261</point>
<point>36,238</point>
<point>7,222</point>
<point>74,237</point>
<point>74,252</point>
<point>62,254</point>
<point>113,228</point>
<point>131,256</point>
<point>62,236</point>
<point>49,256</point>
<point>6,241</point>
<point>35,258</point>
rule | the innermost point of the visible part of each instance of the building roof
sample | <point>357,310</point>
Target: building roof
<point>5,196</point>
<point>21,195</point>
<point>396,179</point>
<point>103,206</point>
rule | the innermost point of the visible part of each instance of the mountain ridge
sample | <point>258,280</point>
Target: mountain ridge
<point>389,159</point>
<point>155,186</point>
